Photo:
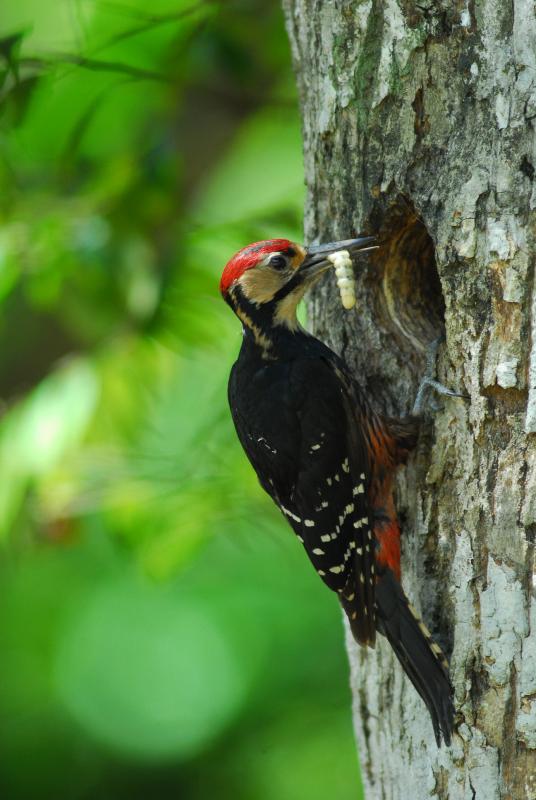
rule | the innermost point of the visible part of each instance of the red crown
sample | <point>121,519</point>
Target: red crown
<point>247,258</point>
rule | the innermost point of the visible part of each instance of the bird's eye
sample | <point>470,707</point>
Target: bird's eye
<point>278,262</point>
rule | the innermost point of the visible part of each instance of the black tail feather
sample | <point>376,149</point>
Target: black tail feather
<point>422,659</point>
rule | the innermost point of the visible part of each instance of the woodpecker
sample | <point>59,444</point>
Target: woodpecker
<point>325,457</point>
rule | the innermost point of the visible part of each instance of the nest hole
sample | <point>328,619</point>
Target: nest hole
<point>411,301</point>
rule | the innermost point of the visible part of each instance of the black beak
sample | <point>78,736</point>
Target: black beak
<point>316,260</point>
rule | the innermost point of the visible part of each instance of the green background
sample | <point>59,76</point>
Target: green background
<point>161,633</point>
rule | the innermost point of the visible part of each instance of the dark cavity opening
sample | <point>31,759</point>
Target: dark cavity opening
<point>411,300</point>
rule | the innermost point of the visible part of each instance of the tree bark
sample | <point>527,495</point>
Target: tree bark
<point>418,123</point>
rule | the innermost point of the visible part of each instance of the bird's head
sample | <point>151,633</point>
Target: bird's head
<point>268,279</point>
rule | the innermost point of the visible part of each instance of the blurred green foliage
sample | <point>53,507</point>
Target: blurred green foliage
<point>161,632</point>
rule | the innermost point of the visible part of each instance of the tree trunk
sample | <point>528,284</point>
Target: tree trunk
<point>418,123</point>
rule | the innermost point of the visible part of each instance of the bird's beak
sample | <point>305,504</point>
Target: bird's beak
<point>316,258</point>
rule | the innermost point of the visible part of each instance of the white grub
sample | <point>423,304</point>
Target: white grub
<point>345,277</point>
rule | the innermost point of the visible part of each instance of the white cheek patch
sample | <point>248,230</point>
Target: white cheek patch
<point>345,277</point>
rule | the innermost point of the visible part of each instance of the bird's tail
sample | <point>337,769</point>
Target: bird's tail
<point>421,658</point>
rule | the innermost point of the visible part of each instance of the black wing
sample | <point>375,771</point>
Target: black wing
<point>311,458</point>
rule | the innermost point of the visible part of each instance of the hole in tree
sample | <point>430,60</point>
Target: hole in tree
<point>411,304</point>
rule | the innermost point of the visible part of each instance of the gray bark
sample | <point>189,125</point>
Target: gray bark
<point>418,121</point>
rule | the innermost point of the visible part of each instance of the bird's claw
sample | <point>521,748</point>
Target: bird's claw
<point>429,382</point>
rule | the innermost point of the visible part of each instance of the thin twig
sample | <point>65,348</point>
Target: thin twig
<point>96,65</point>
<point>153,21</point>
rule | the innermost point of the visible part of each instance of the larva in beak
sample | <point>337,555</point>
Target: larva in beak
<point>345,277</point>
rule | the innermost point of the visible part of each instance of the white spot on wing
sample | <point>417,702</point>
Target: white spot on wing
<point>318,552</point>
<point>262,440</point>
<point>290,514</point>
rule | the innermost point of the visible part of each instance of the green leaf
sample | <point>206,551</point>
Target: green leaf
<point>10,48</point>
<point>262,171</point>
<point>40,431</point>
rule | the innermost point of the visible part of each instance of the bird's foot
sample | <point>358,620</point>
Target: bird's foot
<point>429,381</point>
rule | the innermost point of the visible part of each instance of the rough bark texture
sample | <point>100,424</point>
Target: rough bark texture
<point>418,122</point>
